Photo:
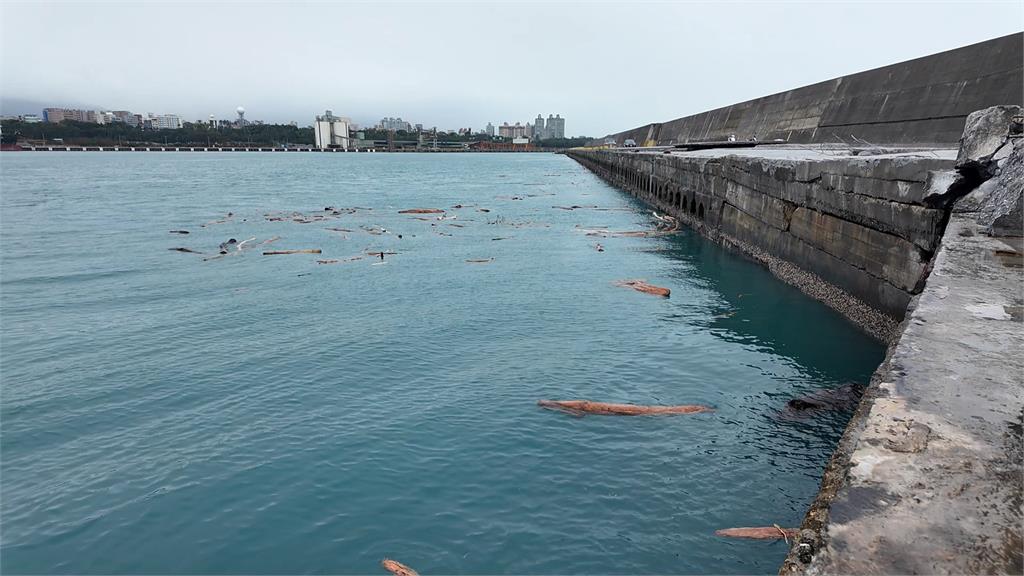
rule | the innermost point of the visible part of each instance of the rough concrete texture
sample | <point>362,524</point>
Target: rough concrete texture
<point>920,101</point>
<point>985,133</point>
<point>865,224</point>
<point>997,202</point>
<point>928,477</point>
<point>934,480</point>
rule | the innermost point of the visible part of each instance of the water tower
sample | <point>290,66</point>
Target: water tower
<point>241,115</point>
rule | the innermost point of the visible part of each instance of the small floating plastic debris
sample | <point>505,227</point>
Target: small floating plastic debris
<point>582,407</point>
<point>422,211</point>
<point>280,252</point>
<point>397,568</point>
<point>760,533</point>
<point>641,286</point>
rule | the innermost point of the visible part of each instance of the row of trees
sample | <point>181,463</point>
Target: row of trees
<point>118,133</point>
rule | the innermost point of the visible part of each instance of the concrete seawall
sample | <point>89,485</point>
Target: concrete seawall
<point>922,101</point>
<point>856,232</point>
<point>924,250</point>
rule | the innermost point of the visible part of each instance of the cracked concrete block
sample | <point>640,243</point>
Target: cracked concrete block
<point>984,134</point>
<point>882,255</point>
<point>877,293</point>
<point>761,206</point>
<point>916,224</point>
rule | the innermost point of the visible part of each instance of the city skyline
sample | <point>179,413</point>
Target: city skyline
<point>552,128</point>
<point>583,70</point>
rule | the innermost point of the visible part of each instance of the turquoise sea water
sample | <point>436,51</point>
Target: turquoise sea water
<point>162,413</point>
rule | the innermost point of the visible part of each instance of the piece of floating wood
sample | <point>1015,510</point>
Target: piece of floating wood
<point>760,533</point>
<point>280,252</point>
<point>188,250</point>
<point>397,568</point>
<point>422,211</point>
<point>580,407</point>
<point>179,232</point>
<point>336,261</point>
<point>641,286</point>
<point>480,260</point>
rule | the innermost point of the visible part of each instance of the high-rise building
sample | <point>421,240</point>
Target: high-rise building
<point>394,124</point>
<point>489,130</point>
<point>539,131</point>
<point>555,126</point>
<point>331,131</point>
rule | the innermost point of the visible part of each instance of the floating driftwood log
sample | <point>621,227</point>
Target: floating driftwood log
<point>641,286</point>
<point>280,252</point>
<point>760,533</point>
<point>422,211</point>
<point>582,407</point>
<point>397,568</point>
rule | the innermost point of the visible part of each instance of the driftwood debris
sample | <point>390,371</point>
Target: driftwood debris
<point>583,407</point>
<point>760,533</point>
<point>280,252</point>
<point>422,211</point>
<point>223,220</point>
<point>397,568</point>
<point>179,231</point>
<point>188,250</point>
<point>641,286</point>
<point>480,260</point>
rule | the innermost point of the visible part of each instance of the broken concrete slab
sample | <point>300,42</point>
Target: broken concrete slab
<point>984,134</point>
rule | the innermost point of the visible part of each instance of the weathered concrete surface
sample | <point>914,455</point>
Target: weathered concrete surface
<point>920,101</point>
<point>929,476</point>
<point>855,231</point>
<point>934,484</point>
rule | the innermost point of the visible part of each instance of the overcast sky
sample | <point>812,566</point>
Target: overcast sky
<point>604,66</point>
